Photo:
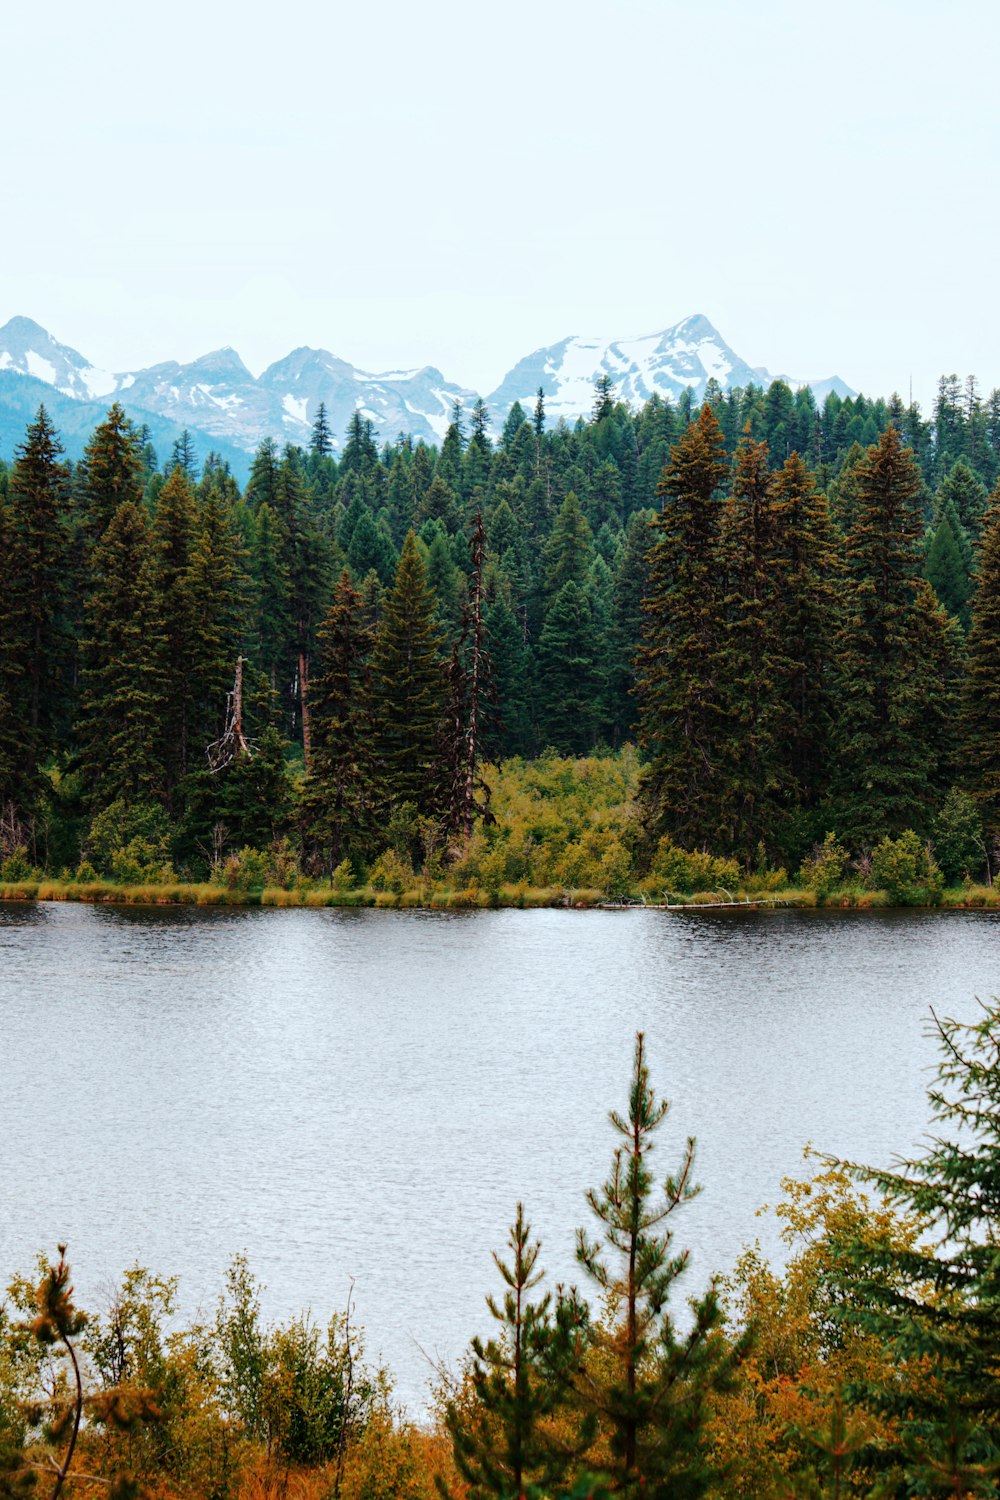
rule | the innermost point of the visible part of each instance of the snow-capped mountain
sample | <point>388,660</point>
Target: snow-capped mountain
<point>419,402</point>
<point>685,356</point>
<point>26,349</point>
<point>217,396</point>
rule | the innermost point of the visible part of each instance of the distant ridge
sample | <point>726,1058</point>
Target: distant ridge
<point>219,400</point>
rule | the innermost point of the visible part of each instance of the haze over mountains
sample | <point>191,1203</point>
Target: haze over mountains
<point>218,399</point>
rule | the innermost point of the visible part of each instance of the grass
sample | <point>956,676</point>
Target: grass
<point>439,897</point>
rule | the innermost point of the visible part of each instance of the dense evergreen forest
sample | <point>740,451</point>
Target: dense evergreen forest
<point>792,611</point>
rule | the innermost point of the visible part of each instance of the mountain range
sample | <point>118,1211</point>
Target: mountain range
<point>221,403</point>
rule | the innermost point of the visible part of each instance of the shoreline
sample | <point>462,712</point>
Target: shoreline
<point>473,898</point>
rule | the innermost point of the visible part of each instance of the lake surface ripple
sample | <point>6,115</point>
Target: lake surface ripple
<point>367,1094</point>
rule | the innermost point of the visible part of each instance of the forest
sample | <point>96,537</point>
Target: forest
<point>864,1366</point>
<point>750,645</point>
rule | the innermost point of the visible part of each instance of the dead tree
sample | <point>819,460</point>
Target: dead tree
<point>233,743</point>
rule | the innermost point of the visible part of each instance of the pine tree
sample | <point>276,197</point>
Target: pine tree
<point>882,760</point>
<point>271,610</point>
<point>339,794</point>
<point>124,684</point>
<point>499,1440</point>
<point>409,680</point>
<point>510,663</point>
<point>677,660</point>
<point>651,1384</point>
<point>981,690</point>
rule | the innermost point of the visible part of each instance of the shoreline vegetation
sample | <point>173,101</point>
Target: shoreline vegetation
<point>520,897</point>
<point>838,1374</point>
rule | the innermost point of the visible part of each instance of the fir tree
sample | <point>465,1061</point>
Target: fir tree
<point>946,571</point>
<point>569,550</point>
<point>175,528</point>
<point>630,584</point>
<point>410,687</point>
<point>677,664</point>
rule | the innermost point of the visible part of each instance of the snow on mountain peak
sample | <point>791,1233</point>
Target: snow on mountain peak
<point>217,395</point>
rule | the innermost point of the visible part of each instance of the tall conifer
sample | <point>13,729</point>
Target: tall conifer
<point>410,688</point>
<point>678,658</point>
<point>981,691</point>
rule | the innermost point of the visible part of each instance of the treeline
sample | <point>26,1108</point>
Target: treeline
<point>867,1367</point>
<point>793,608</point>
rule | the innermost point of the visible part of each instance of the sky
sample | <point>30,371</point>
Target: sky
<point>457,184</point>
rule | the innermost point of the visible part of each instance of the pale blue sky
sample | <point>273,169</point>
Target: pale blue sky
<point>457,185</point>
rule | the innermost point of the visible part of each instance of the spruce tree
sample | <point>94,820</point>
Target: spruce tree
<point>569,674</point>
<point>339,793</point>
<point>751,760</point>
<point>37,586</point>
<point>946,571</point>
<point>569,550</point>
<point>677,662</point>
<point>807,571</point>
<point>981,689</point>
<point>410,688</point>
<point>935,1304</point>
<point>175,527</point>
<point>110,473</point>
<point>630,583</point>
<point>881,754</point>
<point>124,681</point>
<point>650,1384</point>
<point>321,439</point>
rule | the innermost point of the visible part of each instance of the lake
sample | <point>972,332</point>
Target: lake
<point>367,1094</point>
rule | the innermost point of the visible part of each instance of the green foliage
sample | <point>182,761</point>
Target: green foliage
<point>823,870</point>
<point>651,1383</point>
<point>957,837</point>
<point>905,868</point>
<point>679,871</point>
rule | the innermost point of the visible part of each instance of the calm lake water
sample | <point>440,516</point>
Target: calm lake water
<point>368,1094</point>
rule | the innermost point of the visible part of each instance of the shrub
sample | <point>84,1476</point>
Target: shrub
<point>677,870</point>
<point>616,868</point>
<point>141,862</point>
<point>120,826</point>
<point>823,870</point>
<point>390,872</point>
<point>342,878</point>
<point>16,866</point>
<point>957,837</point>
<point>905,869</point>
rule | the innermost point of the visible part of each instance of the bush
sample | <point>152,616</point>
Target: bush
<point>679,871</point>
<point>17,866</point>
<point>616,868</point>
<point>391,872</point>
<point>140,862</point>
<point>342,878</point>
<point>823,870</point>
<point>120,826</point>
<point>905,869</point>
<point>957,837</point>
